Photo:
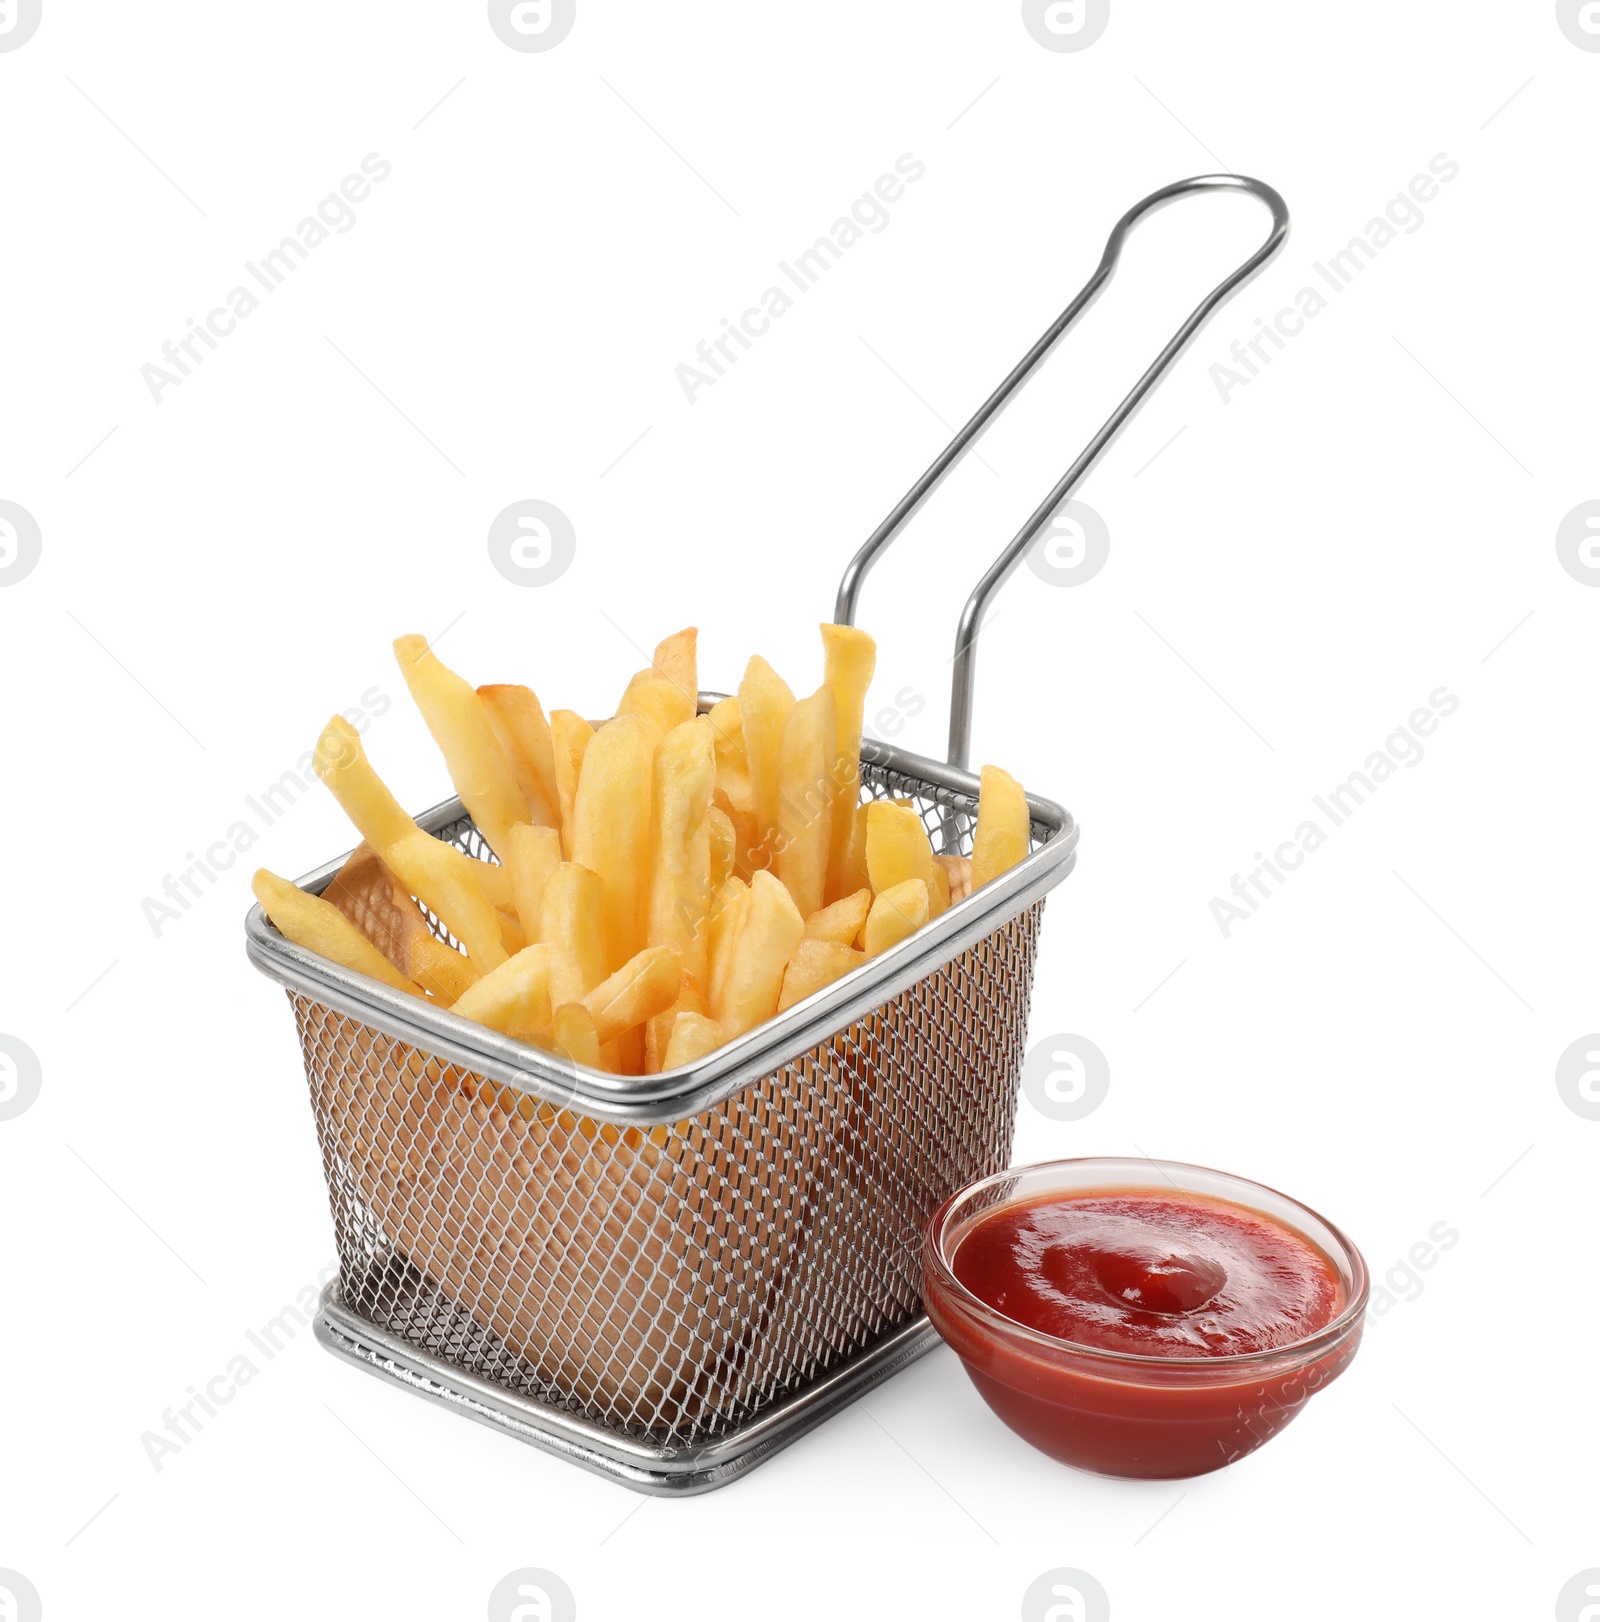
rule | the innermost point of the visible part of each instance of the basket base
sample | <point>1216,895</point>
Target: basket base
<point>676,1472</point>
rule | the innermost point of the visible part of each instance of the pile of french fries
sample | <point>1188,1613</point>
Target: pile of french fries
<point>665,882</point>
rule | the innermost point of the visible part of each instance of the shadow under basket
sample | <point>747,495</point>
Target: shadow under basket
<point>667,1278</point>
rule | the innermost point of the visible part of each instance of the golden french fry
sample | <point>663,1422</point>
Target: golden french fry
<point>460,726</point>
<point>767,938</point>
<point>764,705</point>
<point>320,927</point>
<point>678,905</point>
<point>575,1035</point>
<point>747,852</point>
<point>342,764</point>
<point>727,918</point>
<point>644,986</point>
<point>895,914</point>
<point>610,827</point>
<point>440,968</point>
<point>532,855</point>
<point>724,846</point>
<point>524,737</point>
<point>813,965</point>
<point>805,800</point>
<point>842,922</point>
<point>1001,838</point>
<point>511,936</point>
<point>852,872</point>
<point>658,1032</point>
<point>569,738</point>
<point>675,659</point>
<point>657,703</point>
<point>572,925</point>
<point>693,1037</point>
<point>514,997</point>
<point>625,1054</point>
<point>938,891</point>
<point>424,865</point>
<point>958,873</point>
<point>366,891</point>
<point>897,846</point>
<point>733,765</point>
<point>849,658</point>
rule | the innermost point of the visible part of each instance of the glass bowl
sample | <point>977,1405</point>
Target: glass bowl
<point>1121,1413</point>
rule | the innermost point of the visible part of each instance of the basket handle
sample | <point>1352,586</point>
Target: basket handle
<point>965,660</point>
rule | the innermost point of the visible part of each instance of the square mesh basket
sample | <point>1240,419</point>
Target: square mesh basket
<point>666,1278</point>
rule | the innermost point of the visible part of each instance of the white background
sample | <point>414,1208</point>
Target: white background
<point>1372,518</point>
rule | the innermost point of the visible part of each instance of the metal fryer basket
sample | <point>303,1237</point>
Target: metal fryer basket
<point>667,1278</point>
<point>667,1289</point>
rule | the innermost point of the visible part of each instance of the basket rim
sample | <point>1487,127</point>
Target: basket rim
<point>690,1090</point>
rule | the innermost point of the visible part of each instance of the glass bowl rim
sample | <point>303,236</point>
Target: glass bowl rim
<point>1304,1350</point>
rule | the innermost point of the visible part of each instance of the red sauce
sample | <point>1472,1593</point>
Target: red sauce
<point>1138,1331</point>
<point>1157,1275</point>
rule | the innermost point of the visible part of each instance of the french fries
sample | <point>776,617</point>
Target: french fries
<point>691,999</point>
<point>524,737</point>
<point>366,891</point>
<point>1001,839</point>
<point>843,920</point>
<point>693,1037</point>
<point>849,658</point>
<point>852,862</point>
<point>897,846</point>
<point>805,800</point>
<point>748,854</point>
<point>569,738</point>
<point>727,919</point>
<point>574,1035</point>
<point>610,827</point>
<point>895,914</point>
<point>531,856</point>
<point>426,867</point>
<point>642,988</point>
<point>938,891</point>
<point>723,840</point>
<point>657,703</point>
<point>771,930</point>
<point>679,900</point>
<point>665,882</point>
<point>320,927</point>
<point>342,764</point>
<point>815,964</point>
<point>675,659</point>
<point>440,969</point>
<point>733,762</point>
<point>958,875</point>
<point>514,997</point>
<point>572,925</point>
<point>765,700</point>
<point>460,726</point>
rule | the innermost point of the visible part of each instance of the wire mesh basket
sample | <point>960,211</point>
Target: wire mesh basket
<point>666,1278</point>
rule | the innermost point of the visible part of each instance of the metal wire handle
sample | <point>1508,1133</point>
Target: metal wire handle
<point>965,661</point>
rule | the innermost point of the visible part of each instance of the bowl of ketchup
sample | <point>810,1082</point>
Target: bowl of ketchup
<point>1142,1317</point>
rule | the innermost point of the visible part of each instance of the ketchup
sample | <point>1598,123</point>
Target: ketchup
<point>1157,1275</point>
<point>1138,1331</point>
